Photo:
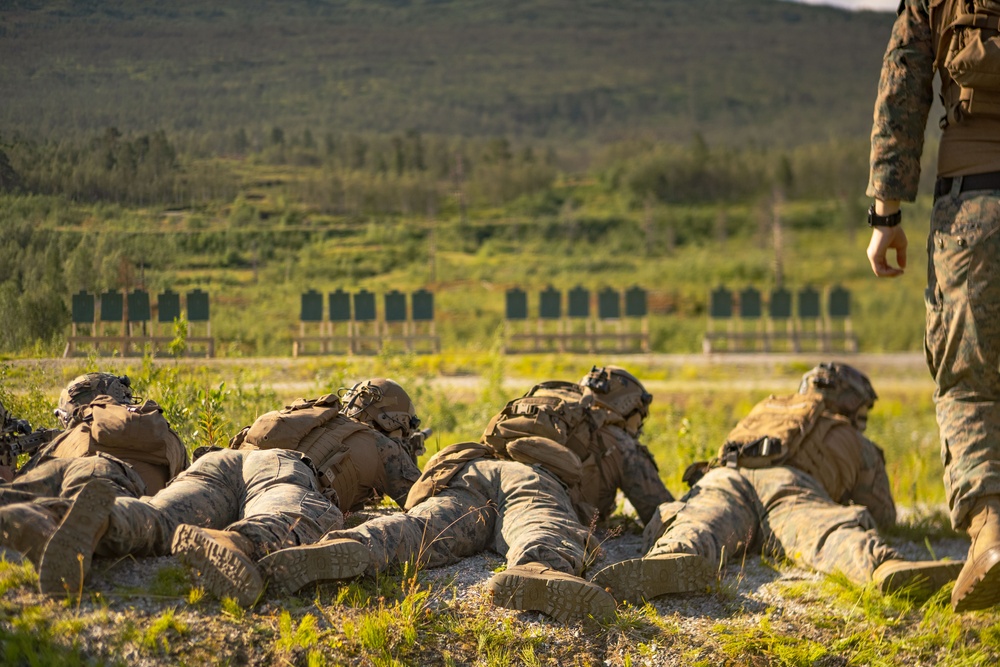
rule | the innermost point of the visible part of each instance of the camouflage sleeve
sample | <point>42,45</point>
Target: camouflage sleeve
<point>641,481</point>
<point>905,94</point>
<point>872,487</point>
<point>400,470</point>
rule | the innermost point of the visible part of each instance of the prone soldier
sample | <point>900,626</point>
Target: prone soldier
<point>527,490</point>
<point>107,436</point>
<point>795,478</point>
<point>286,480</point>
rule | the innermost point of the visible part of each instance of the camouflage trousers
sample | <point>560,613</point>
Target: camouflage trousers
<point>962,342</point>
<point>780,511</point>
<point>269,496</point>
<point>518,511</point>
<point>32,506</point>
<point>63,478</point>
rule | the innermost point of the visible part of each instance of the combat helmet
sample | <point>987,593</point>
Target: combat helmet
<point>381,404</point>
<point>845,390</point>
<point>85,388</point>
<point>621,392</point>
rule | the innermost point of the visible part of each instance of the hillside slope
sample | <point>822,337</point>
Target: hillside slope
<point>734,70</point>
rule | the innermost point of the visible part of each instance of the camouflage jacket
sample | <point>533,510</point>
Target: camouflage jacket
<point>905,95</point>
<point>849,466</point>
<point>627,465</point>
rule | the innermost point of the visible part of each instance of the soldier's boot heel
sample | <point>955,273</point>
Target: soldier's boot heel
<point>978,584</point>
<point>641,579</point>
<point>921,578</point>
<point>65,562</point>
<point>536,587</point>
<point>221,561</point>
<point>296,567</point>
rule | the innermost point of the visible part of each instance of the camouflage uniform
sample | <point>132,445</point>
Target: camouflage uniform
<point>798,481</point>
<point>522,512</point>
<point>963,315</point>
<point>962,335</point>
<point>636,475</point>
<point>789,512</point>
<point>544,462</point>
<point>270,496</point>
<point>33,504</point>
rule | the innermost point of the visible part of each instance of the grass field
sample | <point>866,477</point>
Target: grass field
<point>147,611</point>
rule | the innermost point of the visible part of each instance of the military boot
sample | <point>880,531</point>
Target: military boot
<point>641,579</point>
<point>537,587</point>
<point>25,528</point>
<point>296,567</point>
<point>978,585</point>
<point>65,562</point>
<point>921,578</point>
<point>222,561</point>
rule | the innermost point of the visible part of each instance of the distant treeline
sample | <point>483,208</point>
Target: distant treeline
<point>413,174</point>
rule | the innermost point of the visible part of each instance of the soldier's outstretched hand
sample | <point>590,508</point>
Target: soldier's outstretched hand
<point>884,238</point>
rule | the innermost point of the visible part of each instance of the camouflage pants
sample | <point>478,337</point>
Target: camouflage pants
<point>963,343</point>
<point>32,506</point>
<point>781,511</point>
<point>63,478</point>
<point>512,508</point>
<point>269,496</point>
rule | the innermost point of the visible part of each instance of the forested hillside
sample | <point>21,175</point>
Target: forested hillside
<point>593,70</point>
<point>257,150</point>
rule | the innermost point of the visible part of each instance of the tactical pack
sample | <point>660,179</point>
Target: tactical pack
<point>442,467</point>
<point>556,410</point>
<point>968,50</point>
<point>133,433</point>
<point>342,451</point>
<point>773,431</point>
<point>285,428</point>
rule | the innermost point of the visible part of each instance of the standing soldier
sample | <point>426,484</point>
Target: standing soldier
<point>796,478</point>
<point>959,40</point>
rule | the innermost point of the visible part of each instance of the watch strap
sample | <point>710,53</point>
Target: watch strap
<point>876,220</point>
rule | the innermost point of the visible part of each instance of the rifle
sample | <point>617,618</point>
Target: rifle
<point>416,441</point>
<point>17,438</point>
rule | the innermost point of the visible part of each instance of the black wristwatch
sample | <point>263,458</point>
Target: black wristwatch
<point>876,220</point>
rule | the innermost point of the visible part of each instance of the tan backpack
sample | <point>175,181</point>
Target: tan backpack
<point>773,431</point>
<point>556,410</point>
<point>968,51</point>
<point>133,433</point>
<point>285,429</point>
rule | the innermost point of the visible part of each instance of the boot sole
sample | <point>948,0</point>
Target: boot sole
<point>295,568</point>
<point>921,579</point>
<point>565,600</point>
<point>982,589</point>
<point>65,562</point>
<point>222,572</point>
<point>641,579</point>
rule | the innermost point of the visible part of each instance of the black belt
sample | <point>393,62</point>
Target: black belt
<point>990,181</point>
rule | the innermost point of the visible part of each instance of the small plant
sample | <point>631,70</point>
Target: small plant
<point>156,636</point>
<point>292,637</point>
<point>178,346</point>
<point>195,595</point>
<point>232,608</point>
<point>16,575</point>
<point>213,427</point>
